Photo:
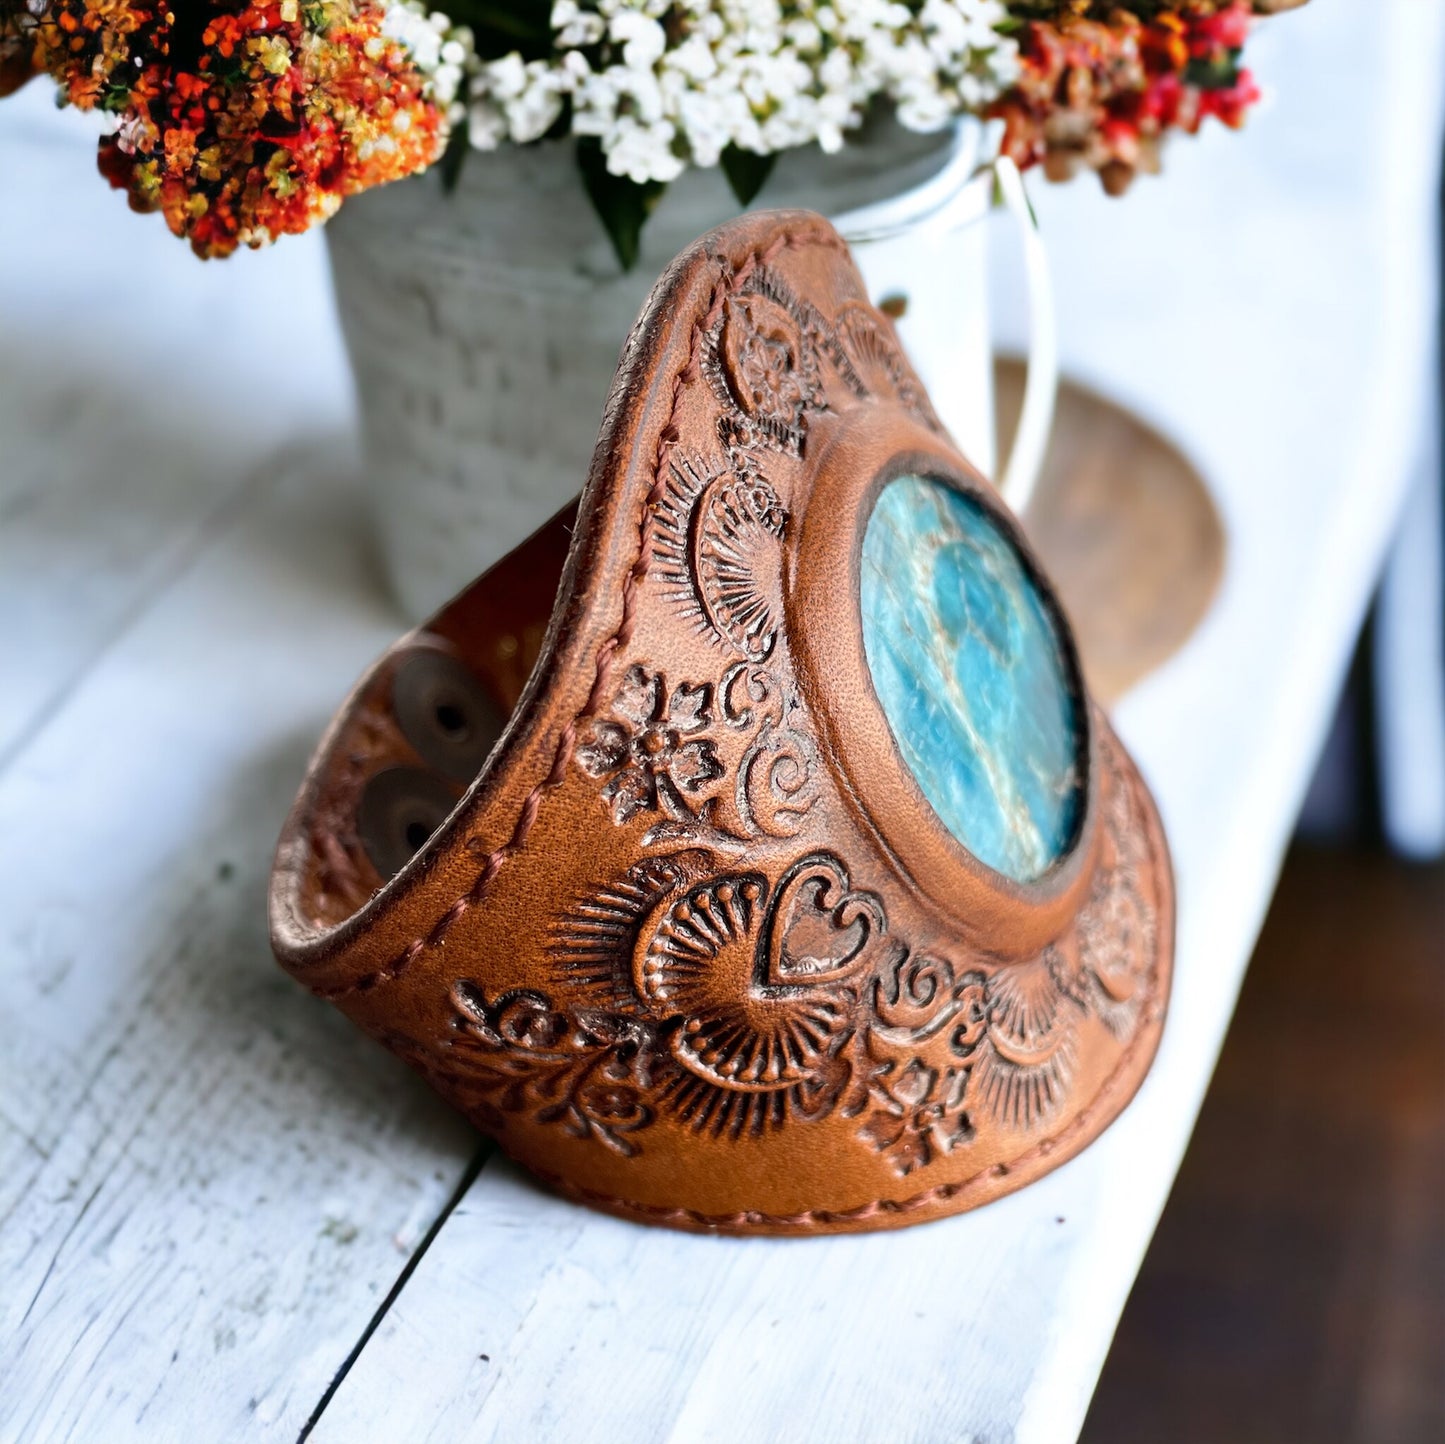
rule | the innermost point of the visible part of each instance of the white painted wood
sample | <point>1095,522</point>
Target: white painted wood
<point>208,1184</point>
<point>1409,668</point>
<point>1271,305</point>
<point>208,1181</point>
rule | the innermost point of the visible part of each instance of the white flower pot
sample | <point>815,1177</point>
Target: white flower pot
<point>484,327</point>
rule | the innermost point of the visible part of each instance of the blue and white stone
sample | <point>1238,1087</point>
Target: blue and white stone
<point>969,667</point>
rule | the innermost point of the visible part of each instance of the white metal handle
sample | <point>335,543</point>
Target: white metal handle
<point>1020,474</point>
<point>960,195</point>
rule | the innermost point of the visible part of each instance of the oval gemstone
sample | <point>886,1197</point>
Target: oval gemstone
<point>967,662</point>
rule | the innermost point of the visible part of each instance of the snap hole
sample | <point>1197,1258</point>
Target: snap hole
<point>451,719</point>
<point>400,810</point>
<point>445,712</point>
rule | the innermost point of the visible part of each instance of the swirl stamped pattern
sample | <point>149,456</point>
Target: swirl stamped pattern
<point>736,1004</point>
<point>734,982</point>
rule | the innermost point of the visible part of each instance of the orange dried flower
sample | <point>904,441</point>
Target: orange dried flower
<point>241,122</point>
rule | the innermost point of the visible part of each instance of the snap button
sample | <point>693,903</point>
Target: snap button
<point>400,809</point>
<point>445,713</point>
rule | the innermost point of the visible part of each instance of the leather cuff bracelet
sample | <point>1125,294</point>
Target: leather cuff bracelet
<point>742,851</point>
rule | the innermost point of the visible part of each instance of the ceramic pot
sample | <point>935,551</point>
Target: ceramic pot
<point>484,325</point>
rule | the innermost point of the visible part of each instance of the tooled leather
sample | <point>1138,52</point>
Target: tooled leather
<point>956,1193</point>
<point>911,1153</point>
<point>667,440</point>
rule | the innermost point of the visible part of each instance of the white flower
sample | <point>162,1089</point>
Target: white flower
<point>440,50</point>
<point>664,84</point>
<point>642,39</point>
<point>486,125</point>
<point>644,152</point>
<point>574,27</point>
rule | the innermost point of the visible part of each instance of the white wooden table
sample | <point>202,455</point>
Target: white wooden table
<point>222,1213</point>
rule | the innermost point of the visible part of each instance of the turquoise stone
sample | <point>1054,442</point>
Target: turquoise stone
<point>967,662</point>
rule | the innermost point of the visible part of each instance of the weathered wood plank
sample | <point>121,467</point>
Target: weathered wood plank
<point>208,1182</point>
<point>529,1319</point>
<point>1302,394</point>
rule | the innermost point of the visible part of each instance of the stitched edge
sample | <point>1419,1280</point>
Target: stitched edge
<point>727,284</point>
<point>1150,1023</point>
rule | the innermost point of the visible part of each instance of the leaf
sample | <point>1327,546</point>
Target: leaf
<point>622,205</point>
<point>747,172</point>
<point>498,28</point>
<point>454,157</point>
<point>1217,73</point>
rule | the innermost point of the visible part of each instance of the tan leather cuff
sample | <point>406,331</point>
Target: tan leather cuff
<point>689,940</point>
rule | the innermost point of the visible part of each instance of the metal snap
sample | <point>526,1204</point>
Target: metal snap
<point>400,809</point>
<point>445,713</point>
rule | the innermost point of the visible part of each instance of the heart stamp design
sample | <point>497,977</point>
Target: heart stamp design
<point>822,930</point>
<point>746,983</point>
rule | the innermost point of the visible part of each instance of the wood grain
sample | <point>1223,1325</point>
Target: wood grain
<point>530,1318</point>
<point>208,1182</point>
<point>1127,529</point>
<point>121,438</point>
<point>1288,1295</point>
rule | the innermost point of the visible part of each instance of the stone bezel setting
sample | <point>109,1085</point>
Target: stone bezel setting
<point>1018,814</point>
<point>826,640</point>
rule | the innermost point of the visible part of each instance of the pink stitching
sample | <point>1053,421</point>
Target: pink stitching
<point>492,865</point>
<point>726,285</point>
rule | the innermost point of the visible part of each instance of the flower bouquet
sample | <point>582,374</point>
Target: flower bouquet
<point>483,302</point>
<point>241,122</point>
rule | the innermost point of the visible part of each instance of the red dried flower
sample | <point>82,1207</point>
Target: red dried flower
<point>1102,96</point>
